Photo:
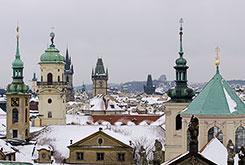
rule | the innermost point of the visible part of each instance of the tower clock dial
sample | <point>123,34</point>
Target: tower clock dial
<point>15,102</point>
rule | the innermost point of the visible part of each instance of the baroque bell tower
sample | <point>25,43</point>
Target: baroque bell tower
<point>52,87</point>
<point>18,126</point>
<point>181,96</point>
<point>99,78</point>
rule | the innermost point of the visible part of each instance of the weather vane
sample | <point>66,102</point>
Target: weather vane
<point>52,35</point>
<point>217,49</point>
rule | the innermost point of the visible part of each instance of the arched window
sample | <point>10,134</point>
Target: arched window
<point>49,114</point>
<point>41,78</point>
<point>58,78</point>
<point>188,139</point>
<point>26,116</point>
<point>67,79</point>
<point>240,137</point>
<point>178,122</point>
<point>215,132</point>
<point>15,115</point>
<point>50,78</point>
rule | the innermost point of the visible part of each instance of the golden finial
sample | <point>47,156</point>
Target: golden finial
<point>17,29</point>
<point>217,49</point>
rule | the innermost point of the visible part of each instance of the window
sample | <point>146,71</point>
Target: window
<point>240,137</point>
<point>41,78</point>
<point>100,156</point>
<point>26,133</point>
<point>15,133</point>
<point>178,122</point>
<point>26,101</point>
<point>26,115</point>
<point>50,78</point>
<point>215,132</point>
<point>101,83</point>
<point>15,116</point>
<point>49,101</point>
<point>121,157</point>
<point>43,155</point>
<point>67,79</point>
<point>79,155</point>
<point>49,114</point>
<point>58,78</point>
<point>100,141</point>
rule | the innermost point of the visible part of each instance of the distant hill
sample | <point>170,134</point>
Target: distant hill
<point>241,82</point>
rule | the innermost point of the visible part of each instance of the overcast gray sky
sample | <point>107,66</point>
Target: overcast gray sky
<point>134,37</point>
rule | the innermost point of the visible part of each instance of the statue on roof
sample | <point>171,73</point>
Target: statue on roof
<point>194,132</point>
<point>158,153</point>
<point>241,156</point>
<point>142,153</point>
<point>231,152</point>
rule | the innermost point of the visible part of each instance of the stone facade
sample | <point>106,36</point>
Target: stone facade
<point>100,148</point>
<point>173,143</point>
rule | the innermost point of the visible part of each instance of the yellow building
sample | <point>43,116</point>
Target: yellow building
<point>100,148</point>
<point>52,87</point>
<point>44,155</point>
<point>99,78</point>
<point>18,126</point>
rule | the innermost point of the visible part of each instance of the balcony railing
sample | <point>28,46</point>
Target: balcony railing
<point>51,83</point>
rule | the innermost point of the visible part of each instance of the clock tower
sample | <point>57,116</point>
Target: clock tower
<point>52,87</point>
<point>99,78</point>
<point>18,127</point>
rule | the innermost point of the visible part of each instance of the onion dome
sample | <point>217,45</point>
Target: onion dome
<point>52,54</point>
<point>181,61</point>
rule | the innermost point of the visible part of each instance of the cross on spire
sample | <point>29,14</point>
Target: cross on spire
<point>181,21</point>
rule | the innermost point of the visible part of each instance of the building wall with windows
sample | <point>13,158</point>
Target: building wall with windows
<point>18,117</point>
<point>100,148</point>
<point>223,127</point>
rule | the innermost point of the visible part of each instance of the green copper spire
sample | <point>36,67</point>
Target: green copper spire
<point>181,92</point>
<point>17,86</point>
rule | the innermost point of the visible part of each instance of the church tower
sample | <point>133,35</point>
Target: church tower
<point>99,78</point>
<point>34,83</point>
<point>69,71</point>
<point>181,96</point>
<point>149,88</point>
<point>18,127</point>
<point>52,87</point>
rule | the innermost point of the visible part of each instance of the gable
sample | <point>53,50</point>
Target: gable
<point>105,140</point>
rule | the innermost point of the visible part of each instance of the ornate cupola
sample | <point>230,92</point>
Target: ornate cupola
<point>17,85</point>
<point>181,92</point>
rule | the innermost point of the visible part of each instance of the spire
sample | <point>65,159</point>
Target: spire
<point>17,49</point>
<point>217,49</point>
<point>181,33</point>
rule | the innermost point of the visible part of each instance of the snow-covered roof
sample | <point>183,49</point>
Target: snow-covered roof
<point>101,102</point>
<point>54,135</point>
<point>212,148</point>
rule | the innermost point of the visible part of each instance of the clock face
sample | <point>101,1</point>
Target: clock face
<point>101,83</point>
<point>14,101</point>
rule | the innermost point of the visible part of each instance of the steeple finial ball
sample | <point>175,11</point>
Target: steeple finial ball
<point>217,49</point>
<point>17,29</point>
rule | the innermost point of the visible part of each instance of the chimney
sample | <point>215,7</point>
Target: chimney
<point>70,141</point>
<point>100,129</point>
